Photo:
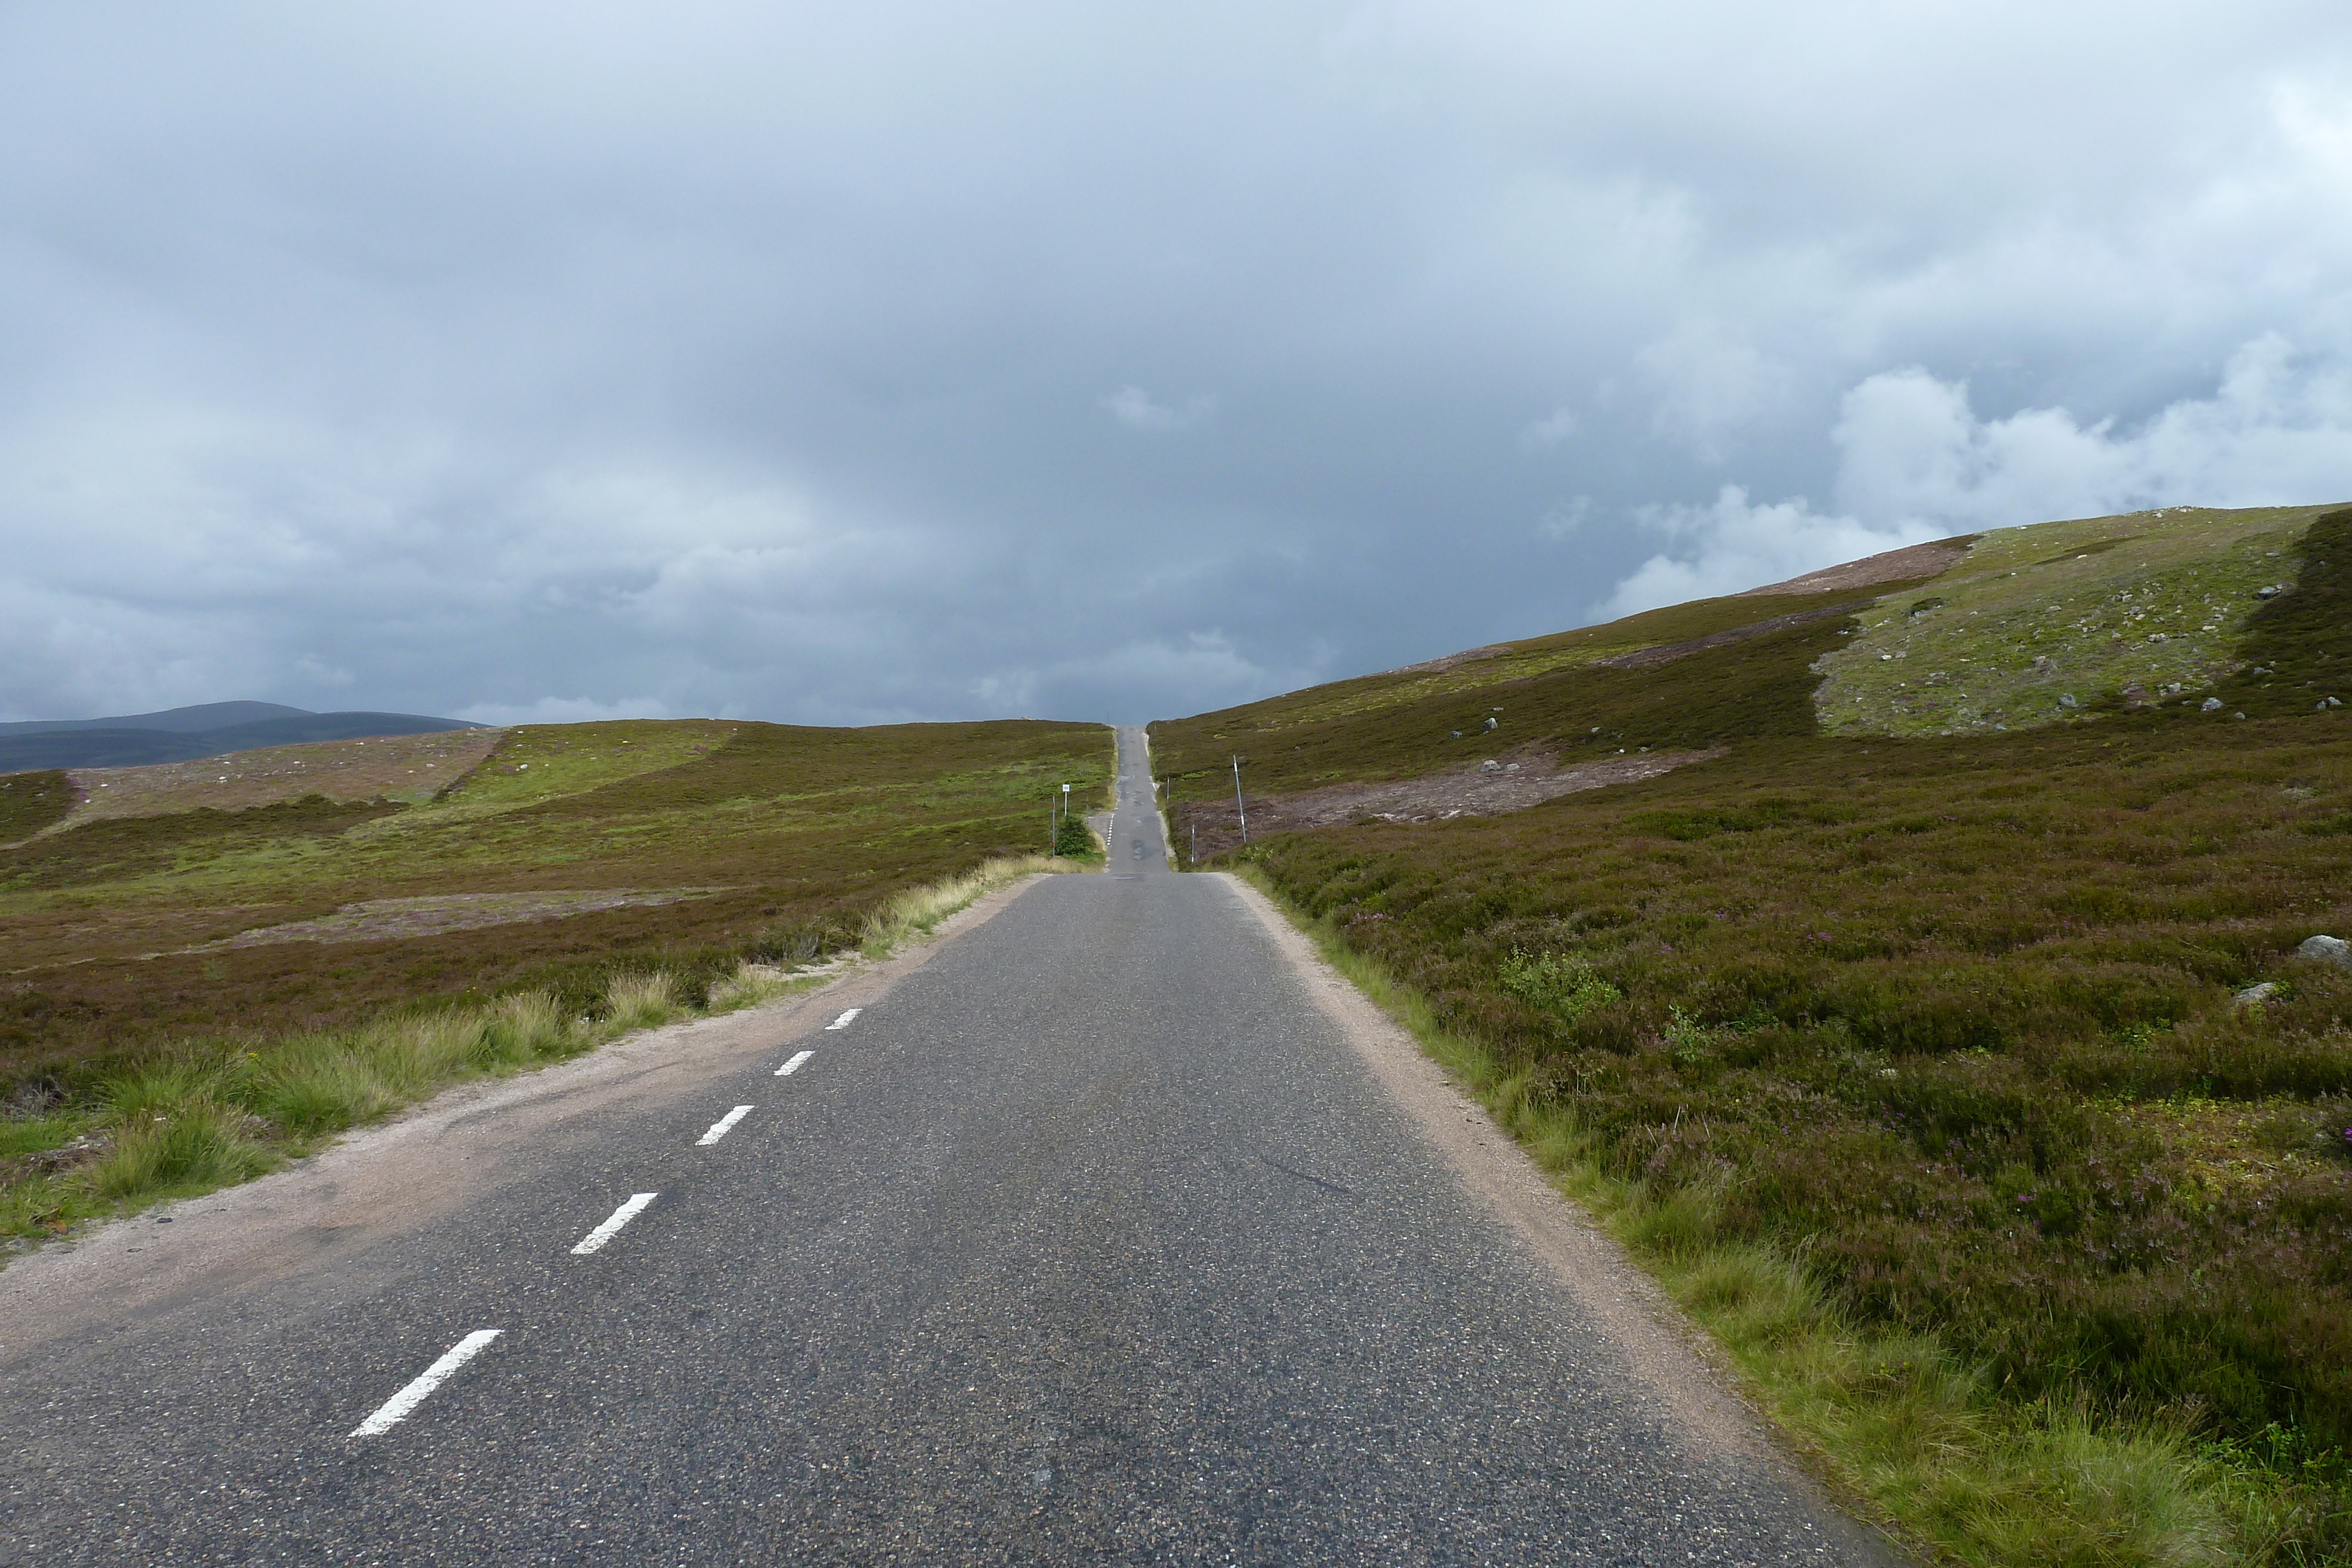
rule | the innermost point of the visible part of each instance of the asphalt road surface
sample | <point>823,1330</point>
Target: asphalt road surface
<point>1089,1238</point>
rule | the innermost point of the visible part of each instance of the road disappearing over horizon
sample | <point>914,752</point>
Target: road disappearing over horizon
<point>1087,1237</point>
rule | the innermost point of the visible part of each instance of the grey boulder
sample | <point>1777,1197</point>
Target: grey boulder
<point>2327,950</point>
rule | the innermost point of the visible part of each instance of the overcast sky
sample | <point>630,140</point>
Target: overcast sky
<point>841,364</point>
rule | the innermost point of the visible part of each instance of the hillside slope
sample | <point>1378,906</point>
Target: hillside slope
<point>577,848</point>
<point>182,734</point>
<point>2050,624</point>
<point>1970,1079</point>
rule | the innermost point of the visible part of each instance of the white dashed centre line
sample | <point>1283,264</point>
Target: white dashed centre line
<point>794,1065</point>
<point>612,1227</point>
<point>718,1128</point>
<point>395,1409</point>
<point>843,1021</point>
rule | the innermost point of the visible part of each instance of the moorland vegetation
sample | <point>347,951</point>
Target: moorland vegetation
<point>194,994</point>
<point>1966,1082</point>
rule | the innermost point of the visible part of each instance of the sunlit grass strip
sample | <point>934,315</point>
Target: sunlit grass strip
<point>919,911</point>
<point>215,1117</point>
<point>1905,1432</point>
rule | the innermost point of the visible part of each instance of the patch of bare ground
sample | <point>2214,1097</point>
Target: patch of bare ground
<point>379,919</point>
<point>1893,566</point>
<point>1511,782</point>
<point>395,767</point>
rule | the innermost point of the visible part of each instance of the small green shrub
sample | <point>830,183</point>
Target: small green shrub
<point>1564,985</point>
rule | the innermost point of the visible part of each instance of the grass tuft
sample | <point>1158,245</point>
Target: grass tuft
<point>642,1000</point>
<point>196,1146</point>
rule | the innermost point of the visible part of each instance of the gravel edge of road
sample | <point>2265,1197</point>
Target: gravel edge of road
<point>1659,1344</point>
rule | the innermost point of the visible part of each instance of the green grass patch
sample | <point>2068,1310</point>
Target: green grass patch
<point>539,762</point>
<point>2047,623</point>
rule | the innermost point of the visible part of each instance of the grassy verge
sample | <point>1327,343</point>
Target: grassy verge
<point>1914,1434</point>
<point>214,1112</point>
<point>919,911</point>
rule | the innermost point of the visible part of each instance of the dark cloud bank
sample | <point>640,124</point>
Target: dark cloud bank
<point>1108,361</point>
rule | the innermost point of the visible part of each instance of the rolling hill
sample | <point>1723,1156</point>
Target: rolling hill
<point>188,734</point>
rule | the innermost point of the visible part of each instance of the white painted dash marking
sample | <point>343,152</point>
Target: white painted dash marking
<point>394,1410</point>
<point>843,1021</point>
<point>794,1065</point>
<point>612,1227</point>
<point>719,1129</point>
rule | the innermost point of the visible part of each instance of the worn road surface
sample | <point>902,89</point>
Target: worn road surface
<point>1095,1235</point>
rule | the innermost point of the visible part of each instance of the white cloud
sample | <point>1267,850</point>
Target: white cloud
<point>2278,430</point>
<point>1732,545</point>
<point>1133,407</point>
<point>1915,462</point>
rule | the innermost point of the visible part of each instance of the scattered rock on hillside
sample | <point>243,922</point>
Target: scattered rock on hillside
<point>2255,995</point>
<point>2327,950</point>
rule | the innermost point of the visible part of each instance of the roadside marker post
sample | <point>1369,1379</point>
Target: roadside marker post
<point>1239,809</point>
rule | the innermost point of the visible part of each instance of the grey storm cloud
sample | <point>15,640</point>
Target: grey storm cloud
<point>844,364</point>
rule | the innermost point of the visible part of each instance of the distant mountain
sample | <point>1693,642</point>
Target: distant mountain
<point>193,720</point>
<point>186,734</point>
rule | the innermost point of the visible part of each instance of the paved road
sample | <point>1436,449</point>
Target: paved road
<point>1088,1240</point>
